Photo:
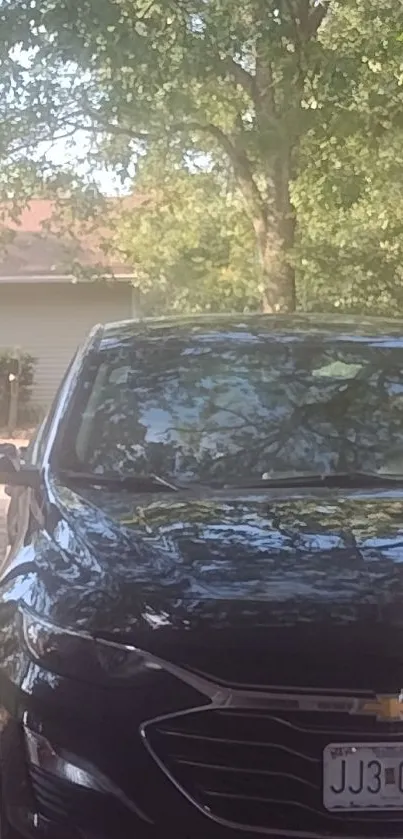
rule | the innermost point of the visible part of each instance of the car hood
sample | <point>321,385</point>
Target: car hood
<point>273,569</point>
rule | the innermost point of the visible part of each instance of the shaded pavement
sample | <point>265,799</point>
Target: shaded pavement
<point>3,509</point>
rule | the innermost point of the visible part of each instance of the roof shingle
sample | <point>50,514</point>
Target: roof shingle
<point>41,247</point>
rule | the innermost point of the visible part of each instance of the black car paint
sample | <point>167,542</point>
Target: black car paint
<point>259,587</point>
<point>120,565</point>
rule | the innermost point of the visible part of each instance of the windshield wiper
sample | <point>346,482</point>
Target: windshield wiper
<point>140,483</point>
<point>330,479</point>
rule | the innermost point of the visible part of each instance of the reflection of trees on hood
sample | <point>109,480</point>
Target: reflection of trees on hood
<point>278,549</point>
<point>220,410</point>
<point>287,559</point>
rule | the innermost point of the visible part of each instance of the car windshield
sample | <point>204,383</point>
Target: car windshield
<point>240,408</point>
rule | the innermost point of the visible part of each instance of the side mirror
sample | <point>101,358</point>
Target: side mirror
<point>22,451</point>
<point>13,369</point>
<point>8,450</point>
<point>28,476</point>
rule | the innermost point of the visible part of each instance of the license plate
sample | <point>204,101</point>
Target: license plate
<point>363,776</point>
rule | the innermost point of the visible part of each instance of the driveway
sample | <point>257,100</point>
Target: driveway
<point>4,501</point>
<point>3,508</point>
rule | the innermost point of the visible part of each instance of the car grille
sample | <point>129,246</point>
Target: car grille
<point>263,771</point>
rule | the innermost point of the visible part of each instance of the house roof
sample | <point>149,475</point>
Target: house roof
<point>40,245</point>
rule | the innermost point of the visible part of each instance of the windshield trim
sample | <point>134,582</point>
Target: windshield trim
<point>144,482</point>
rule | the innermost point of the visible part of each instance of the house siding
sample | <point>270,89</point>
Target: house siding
<point>49,321</point>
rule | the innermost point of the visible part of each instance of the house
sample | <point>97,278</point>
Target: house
<point>43,310</point>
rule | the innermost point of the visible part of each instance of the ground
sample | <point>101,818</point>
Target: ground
<point>19,441</point>
<point>3,507</point>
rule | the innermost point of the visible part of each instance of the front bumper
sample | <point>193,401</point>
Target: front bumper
<point>79,761</point>
<point>40,804</point>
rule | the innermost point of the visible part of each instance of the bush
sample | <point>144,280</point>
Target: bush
<point>26,380</point>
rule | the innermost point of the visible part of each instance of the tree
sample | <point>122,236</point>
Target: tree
<point>350,247</point>
<point>210,78</point>
<point>300,97</point>
<point>189,240</point>
<point>348,195</point>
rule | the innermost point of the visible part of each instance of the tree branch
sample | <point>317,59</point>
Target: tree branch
<point>240,162</point>
<point>243,174</point>
<point>265,101</point>
<point>310,17</point>
<point>23,146</point>
<point>316,17</point>
<point>305,17</point>
<point>115,128</point>
<point>236,154</point>
<point>241,76</point>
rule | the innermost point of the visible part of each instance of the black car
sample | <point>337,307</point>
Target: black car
<point>201,611</point>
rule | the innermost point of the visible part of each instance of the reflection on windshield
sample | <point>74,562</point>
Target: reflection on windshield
<point>237,410</point>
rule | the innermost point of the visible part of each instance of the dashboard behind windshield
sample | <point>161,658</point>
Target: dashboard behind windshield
<point>230,410</point>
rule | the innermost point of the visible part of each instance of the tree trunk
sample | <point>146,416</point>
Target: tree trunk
<point>278,276</point>
<point>276,245</point>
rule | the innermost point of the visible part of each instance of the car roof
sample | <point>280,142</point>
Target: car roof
<point>343,328</point>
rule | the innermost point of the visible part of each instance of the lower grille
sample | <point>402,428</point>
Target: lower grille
<point>263,771</point>
<point>61,801</point>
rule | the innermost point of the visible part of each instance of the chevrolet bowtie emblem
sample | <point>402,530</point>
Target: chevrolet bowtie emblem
<point>384,708</point>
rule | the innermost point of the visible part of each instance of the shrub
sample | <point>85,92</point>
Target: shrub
<point>26,379</point>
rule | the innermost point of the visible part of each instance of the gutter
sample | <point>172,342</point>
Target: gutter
<point>31,279</point>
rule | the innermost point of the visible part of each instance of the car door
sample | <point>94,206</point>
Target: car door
<point>23,510</point>
<point>25,513</point>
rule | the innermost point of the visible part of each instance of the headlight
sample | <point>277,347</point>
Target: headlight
<point>80,656</point>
